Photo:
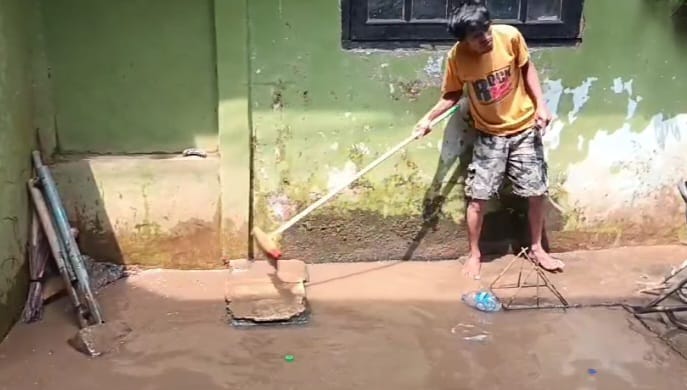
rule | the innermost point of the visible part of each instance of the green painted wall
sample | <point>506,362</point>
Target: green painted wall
<point>132,76</point>
<point>19,40</point>
<point>152,77</point>
<point>317,108</point>
<point>638,43</point>
<point>234,74</point>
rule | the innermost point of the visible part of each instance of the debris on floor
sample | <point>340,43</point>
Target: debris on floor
<point>461,325</point>
<point>482,301</point>
<point>479,337</point>
<point>197,152</point>
<point>96,340</point>
<point>528,267</point>
<point>259,295</point>
<point>101,273</point>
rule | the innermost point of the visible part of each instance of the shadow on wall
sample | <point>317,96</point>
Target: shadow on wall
<point>85,207</point>
<point>455,156</point>
<point>678,11</point>
<point>138,211</point>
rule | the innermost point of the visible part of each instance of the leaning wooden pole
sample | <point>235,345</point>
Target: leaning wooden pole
<point>56,249</point>
<point>54,203</point>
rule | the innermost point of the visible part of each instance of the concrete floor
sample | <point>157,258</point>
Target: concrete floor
<point>375,326</point>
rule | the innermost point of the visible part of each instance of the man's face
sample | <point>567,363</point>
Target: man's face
<point>480,41</point>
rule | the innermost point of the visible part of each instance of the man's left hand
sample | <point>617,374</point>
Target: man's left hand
<point>542,118</point>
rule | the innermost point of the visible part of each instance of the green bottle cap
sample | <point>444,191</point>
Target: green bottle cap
<point>289,358</point>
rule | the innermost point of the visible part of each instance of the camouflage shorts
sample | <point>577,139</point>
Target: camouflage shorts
<point>520,157</point>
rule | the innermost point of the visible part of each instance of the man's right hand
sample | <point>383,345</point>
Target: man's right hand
<point>422,128</point>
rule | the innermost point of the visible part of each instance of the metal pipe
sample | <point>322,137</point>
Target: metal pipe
<point>64,231</point>
<point>560,306</point>
<point>67,264</point>
<point>676,321</point>
<point>659,309</point>
<point>56,249</point>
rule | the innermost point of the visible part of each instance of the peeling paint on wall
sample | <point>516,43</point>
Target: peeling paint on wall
<point>338,177</point>
<point>580,97</point>
<point>434,69</point>
<point>632,106</point>
<point>619,86</point>
<point>282,208</point>
<point>553,90</point>
<point>632,102</point>
<point>627,170</point>
<point>360,149</point>
<point>624,173</point>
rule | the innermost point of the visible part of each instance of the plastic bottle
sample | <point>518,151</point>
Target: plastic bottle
<point>482,300</point>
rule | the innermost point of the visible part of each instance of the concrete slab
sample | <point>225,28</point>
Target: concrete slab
<point>258,293</point>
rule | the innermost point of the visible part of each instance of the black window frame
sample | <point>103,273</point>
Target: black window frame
<point>357,33</point>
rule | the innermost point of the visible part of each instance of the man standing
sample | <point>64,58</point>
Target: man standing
<point>509,113</point>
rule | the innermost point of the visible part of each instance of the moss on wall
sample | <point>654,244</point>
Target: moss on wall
<point>18,26</point>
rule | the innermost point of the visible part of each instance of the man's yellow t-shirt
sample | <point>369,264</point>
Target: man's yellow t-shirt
<point>499,102</point>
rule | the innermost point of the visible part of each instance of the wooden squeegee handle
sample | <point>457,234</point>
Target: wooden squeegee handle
<point>358,175</point>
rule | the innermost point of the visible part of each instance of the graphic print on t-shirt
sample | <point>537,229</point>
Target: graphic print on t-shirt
<point>497,85</point>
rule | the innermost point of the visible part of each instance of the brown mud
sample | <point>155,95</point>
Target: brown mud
<point>389,325</point>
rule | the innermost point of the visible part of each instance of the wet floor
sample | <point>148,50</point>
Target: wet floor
<point>389,327</point>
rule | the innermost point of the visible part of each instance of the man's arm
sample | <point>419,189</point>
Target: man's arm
<point>532,84</point>
<point>543,116</point>
<point>531,79</point>
<point>451,92</point>
<point>446,101</point>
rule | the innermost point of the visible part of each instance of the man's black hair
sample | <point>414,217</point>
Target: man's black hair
<point>469,16</point>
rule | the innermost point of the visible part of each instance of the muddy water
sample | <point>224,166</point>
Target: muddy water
<point>373,337</point>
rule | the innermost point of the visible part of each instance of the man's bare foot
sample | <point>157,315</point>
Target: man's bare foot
<point>546,261</point>
<point>471,267</point>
